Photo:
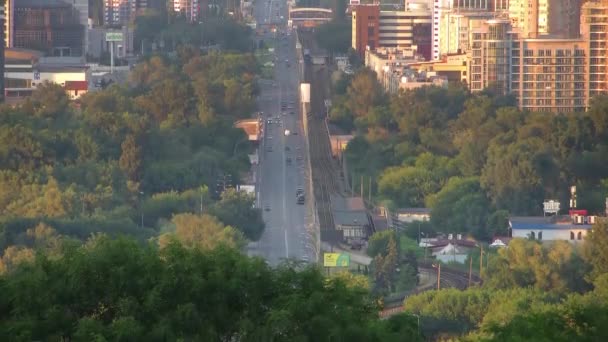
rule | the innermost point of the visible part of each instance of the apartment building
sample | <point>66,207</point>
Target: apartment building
<point>409,29</point>
<point>8,25</point>
<point>489,56</point>
<point>122,12</point>
<point>365,28</point>
<point>191,9</point>
<point>456,28</point>
<point>550,75</point>
<point>594,29</point>
<point>52,26</point>
<point>559,18</point>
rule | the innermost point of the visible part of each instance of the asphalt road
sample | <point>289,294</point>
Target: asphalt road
<point>287,223</point>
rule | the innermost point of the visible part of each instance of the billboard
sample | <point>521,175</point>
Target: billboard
<point>113,36</point>
<point>336,260</point>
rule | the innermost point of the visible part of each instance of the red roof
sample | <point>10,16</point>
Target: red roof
<point>76,85</point>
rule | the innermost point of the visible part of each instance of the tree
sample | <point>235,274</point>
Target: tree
<point>364,93</point>
<point>528,263</point>
<point>236,209</point>
<point>202,231</point>
<point>48,100</point>
<point>120,290</point>
<point>595,250</point>
<point>130,158</point>
<point>461,207</point>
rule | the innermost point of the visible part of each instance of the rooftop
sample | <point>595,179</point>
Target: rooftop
<point>348,203</point>
<point>545,222</point>
<point>350,218</point>
<point>419,211</point>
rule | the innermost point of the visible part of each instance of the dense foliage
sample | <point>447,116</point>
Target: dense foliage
<point>471,158</point>
<point>127,158</point>
<point>531,292</point>
<point>117,290</point>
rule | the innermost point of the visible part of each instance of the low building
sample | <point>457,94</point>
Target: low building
<point>407,79</point>
<point>351,219</point>
<point>338,140</point>
<point>26,69</point>
<point>453,67</point>
<point>409,215</point>
<point>451,253</point>
<point>551,228</point>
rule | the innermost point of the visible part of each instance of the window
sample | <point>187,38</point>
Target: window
<point>532,236</point>
<point>540,235</point>
<point>571,235</point>
<point>579,236</point>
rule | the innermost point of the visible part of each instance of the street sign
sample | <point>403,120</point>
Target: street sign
<point>336,260</point>
<point>113,36</point>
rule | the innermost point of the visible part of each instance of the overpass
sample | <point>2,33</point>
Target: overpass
<point>308,17</point>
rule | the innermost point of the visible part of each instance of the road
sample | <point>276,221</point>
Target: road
<point>288,224</point>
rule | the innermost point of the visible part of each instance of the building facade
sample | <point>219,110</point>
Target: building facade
<point>191,9</point>
<point>121,12</point>
<point>490,57</point>
<point>51,26</point>
<point>559,18</point>
<point>550,75</point>
<point>9,14</point>
<point>410,29</point>
<point>594,29</point>
<point>365,28</point>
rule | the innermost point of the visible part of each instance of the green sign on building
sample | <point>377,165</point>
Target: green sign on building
<point>113,36</point>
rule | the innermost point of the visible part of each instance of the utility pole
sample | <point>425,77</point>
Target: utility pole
<point>438,276</point>
<point>362,187</point>
<point>369,194</point>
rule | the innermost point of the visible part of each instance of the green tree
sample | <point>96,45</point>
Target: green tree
<point>236,209</point>
<point>201,231</point>
<point>48,100</point>
<point>130,158</point>
<point>595,250</point>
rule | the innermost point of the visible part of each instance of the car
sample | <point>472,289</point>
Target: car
<point>270,137</point>
<point>299,157</point>
<point>288,160</point>
<point>295,133</point>
<point>269,121</point>
<point>299,192</point>
<point>292,113</point>
<point>269,149</point>
<point>287,148</point>
<point>267,207</point>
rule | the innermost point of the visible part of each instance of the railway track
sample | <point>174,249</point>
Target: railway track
<point>324,168</point>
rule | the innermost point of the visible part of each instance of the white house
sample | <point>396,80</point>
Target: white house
<point>551,228</point>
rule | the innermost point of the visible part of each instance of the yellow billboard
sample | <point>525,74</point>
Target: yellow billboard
<point>336,260</point>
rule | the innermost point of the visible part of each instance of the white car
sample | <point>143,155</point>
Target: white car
<point>287,132</point>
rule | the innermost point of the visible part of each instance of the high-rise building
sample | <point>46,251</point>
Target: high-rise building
<point>189,8</point>
<point>559,18</point>
<point>365,28</point>
<point>594,29</point>
<point>490,56</point>
<point>456,28</point>
<point>549,74</point>
<point>51,26</point>
<point>409,29</point>
<point>9,11</point>
<point>2,44</point>
<point>121,12</point>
